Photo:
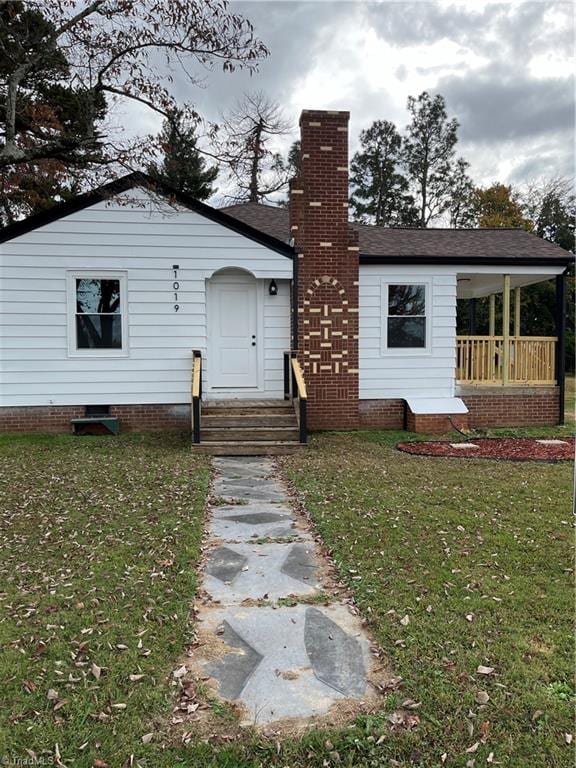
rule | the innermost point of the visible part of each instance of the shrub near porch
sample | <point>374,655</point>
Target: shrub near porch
<point>478,556</point>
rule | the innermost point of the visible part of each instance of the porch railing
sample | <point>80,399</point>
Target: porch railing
<point>529,360</point>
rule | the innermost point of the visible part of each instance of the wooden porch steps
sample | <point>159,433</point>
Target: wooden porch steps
<point>248,428</point>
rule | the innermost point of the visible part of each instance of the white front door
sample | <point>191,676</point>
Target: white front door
<point>232,332</point>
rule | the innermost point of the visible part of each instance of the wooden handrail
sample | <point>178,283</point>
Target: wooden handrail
<point>299,393</point>
<point>196,376</point>
<point>299,379</point>
<point>196,395</point>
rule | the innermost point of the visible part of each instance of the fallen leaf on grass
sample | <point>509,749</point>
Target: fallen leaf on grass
<point>402,719</point>
<point>147,738</point>
<point>482,697</point>
<point>568,738</point>
<point>96,671</point>
<point>405,620</point>
<point>180,672</point>
<point>473,748</point>
<point>482,670</point>
<point>135,678</point>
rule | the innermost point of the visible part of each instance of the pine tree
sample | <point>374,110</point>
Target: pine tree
<point>182,166</point>
<point>380,193</point>
<point>429,150</point>
<point>461,197</point>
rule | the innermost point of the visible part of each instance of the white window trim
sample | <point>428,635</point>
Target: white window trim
<point>92,274</point>
<point>386,351</point>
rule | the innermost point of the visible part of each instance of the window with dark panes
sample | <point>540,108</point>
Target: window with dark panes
<point>98,314</point>
<point>406,322</point>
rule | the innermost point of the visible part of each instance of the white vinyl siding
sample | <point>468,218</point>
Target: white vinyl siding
<point>400,373</point>
<point>143,239</point>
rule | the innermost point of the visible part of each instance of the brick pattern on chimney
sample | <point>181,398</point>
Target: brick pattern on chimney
<point>327,271</point>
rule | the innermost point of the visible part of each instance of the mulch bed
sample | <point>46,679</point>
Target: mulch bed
<point>508,448</point>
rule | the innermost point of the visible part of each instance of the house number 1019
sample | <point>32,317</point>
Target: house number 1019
<point>176,287</point>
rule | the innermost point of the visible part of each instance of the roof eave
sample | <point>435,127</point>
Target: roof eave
<point>505,261</point>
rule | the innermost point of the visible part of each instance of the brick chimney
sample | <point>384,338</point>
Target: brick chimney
<point>327,271</point>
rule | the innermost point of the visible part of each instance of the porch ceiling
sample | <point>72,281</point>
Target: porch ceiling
<point>475,286</point>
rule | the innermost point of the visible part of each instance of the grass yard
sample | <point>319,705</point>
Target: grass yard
<point>98,543</point>
<point>478,554</point>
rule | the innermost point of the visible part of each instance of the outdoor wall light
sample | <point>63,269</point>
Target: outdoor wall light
<point>273,288</point>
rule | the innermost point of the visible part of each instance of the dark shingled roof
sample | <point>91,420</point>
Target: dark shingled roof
<point>381,243</point>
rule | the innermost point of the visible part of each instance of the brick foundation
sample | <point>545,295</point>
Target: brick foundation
<point>437,423</point>
<point>522,407</point>
<point>381,414</point>
<point>133,418</point>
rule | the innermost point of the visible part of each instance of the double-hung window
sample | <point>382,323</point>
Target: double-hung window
<point>405,315</point>
<point>97,313</point>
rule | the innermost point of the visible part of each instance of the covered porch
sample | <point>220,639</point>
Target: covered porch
<point>505,357</point>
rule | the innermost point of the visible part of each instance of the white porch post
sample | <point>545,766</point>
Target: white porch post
<point>492,315</point>
<point>506,331</point>
<point>517,322</point>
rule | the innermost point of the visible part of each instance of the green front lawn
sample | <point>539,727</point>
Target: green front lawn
<point>478,554</point>
<point>98,543</point>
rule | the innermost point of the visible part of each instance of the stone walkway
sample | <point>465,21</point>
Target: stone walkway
<point>272,641</point>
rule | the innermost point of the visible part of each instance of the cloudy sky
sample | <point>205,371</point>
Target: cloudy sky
<point>505,69</point>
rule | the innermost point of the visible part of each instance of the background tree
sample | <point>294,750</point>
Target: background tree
<point>550,204</point>
<point>182,165</point>
<point>46,99</point>
<point>461,197</point>
<point>429,150</point>
<point>380,189</point>
<point>293,160</point>
<point>245,144</point>
<point>105,50</point>
<point>498,206</point>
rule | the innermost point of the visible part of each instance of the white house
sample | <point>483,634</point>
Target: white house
<point>110,302</point>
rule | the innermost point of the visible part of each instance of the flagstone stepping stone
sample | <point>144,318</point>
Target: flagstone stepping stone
<point>243,526</point>
<point>251,508</point>
<point>234,669</point>
<point>299,563</point>
<point>225,564</point>
<point>336,656</point>
<point>250,493</point>
<point>551,442</point>
<point>290,678</point>
<point>463,445</point>
<point>238,572</point>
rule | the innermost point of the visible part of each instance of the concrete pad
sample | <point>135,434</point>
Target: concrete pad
<point>260,525</point>
<point>242,467</point>
<point>249,508</point>
<point>238,572</point>
<point>229,489</point>
<point>552,442</point>
<point>287,682</point>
